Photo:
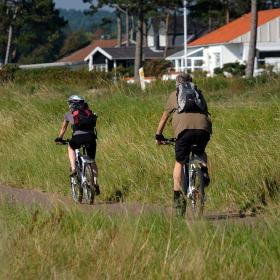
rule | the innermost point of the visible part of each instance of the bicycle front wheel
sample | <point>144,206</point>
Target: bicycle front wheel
<point>198,197</point>
<point>89,191</point>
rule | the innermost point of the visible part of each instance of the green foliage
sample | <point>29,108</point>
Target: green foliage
<point>124,71</point>
<point>234,69</point>
<point>7,73</point>
<point>79,21</point>
<point>157,67</point>
<point>218,71</point>
<point>199,74</point>
<point>61,76</point>
<point>73,42</point>
<point>244,112</point>
<point>37,35</point>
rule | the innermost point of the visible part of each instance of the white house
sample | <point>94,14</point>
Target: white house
<point>230,43</point>
<point>156,35</point>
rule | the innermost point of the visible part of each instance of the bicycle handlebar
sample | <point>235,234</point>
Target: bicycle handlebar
<point>170,141</point>
<point>63,142</point>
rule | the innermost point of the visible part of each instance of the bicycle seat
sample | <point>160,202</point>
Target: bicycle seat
<point>193,148</point>
<point>87,159</point>
<point>196,154</point>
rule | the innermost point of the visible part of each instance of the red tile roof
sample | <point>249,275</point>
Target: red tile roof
<point>84,52</point>
<point>235,28</point>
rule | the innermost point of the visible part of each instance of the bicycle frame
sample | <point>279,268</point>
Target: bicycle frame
<point>81,186</point>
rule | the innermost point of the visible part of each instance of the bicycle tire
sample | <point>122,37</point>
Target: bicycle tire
<point>76,189</point>
<point>198,198</point>
<point>89,192</point>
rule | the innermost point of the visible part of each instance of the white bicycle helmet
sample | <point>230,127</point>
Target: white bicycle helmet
<point>76,99</point>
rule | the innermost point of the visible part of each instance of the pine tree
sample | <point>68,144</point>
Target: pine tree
<point>36,33</point>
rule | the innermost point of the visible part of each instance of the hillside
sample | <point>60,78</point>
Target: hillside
<point>78,20</point>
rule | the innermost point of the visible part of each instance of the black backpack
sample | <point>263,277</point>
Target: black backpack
<point>190,99</point>
<point>84,119</point>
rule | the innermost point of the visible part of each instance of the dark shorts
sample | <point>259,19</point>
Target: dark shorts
<point>88,139</point>
<point>186,139</point>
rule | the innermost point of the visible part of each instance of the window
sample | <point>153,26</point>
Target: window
<point>179,62</point>
<point>198,62</point>
<point>100,67</point>
<point>197,54</point>
<point>217,59</point>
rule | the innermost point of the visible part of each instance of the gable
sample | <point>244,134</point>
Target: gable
<point>236,29</point>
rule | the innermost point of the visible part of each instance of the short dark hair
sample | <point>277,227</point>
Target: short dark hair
<point>183,78</point>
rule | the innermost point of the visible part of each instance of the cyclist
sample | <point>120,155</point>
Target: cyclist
<point>82,134</point>
<point>191,127</point>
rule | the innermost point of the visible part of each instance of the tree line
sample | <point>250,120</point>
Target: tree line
<point>32,31</point>
<point>210,13</point>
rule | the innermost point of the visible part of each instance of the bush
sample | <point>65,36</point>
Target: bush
<point>218,71</point>
<point>235,69</point>
<point>199,74</point>
<point>61,76</point>
<point>7,73</point>
<point>124,71</point>
<point>156,67</point>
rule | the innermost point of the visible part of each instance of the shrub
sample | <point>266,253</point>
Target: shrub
<point>156,67</point>
<point>124,71</point>
<point>218,71</point>
<point>7,73</point>
<point>61,76</point>
<point>199,74</point>
<point>235,69</point>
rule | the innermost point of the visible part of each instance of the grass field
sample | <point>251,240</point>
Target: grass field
<point>73,245</point>
<point>244,168</point>
<point>243,152</point>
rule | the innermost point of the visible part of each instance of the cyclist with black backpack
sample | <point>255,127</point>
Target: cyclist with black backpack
<point>83,122</point>
<point>191,125</point>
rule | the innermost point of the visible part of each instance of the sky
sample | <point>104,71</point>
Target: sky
<point>71,4</point>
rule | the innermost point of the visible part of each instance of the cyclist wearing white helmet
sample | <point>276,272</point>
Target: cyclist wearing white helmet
<point>83,123</point>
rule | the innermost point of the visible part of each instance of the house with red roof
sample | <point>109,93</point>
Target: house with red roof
<point>230,43</point>
<point>78,57</point>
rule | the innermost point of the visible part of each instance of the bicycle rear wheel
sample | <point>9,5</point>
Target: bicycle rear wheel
<point>89,191</point>
<point>198,197</point>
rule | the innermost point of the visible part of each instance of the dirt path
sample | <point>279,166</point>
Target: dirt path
<point>31,197</point>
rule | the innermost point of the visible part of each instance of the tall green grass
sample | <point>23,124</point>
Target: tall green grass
<point>68,244</point>
<point>243,151</point>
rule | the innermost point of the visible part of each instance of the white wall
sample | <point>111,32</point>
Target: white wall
<point>162,35</point>
<point>151,37</point>
<point>232,53</point>
<point>213,58</point>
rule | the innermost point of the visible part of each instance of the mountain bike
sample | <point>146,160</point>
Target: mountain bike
<point>84,183</point>
<point>193,183</point>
